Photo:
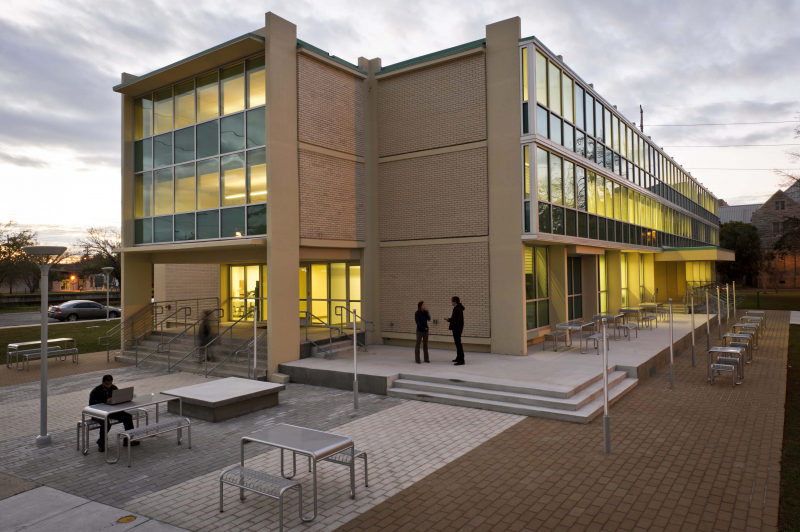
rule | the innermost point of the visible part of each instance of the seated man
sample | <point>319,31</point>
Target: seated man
<point>100,395</point>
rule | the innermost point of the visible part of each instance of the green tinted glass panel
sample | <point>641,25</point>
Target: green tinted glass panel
<point>184,145</point>
<point>556,191</point>
<point>580,179</point>
<point>208,139</point>
<point>143,231</point>
<point>143,155</point>
<point>162,150</point>
<point>542,173</point>
<point>256,220</point>
<point>184,226</point>
<point>601,272</point>
<point>530,286</point>
<point>233,222</point>
<point>143,195</point>
<point>256,128</point>
<point>231,133</point>
<point>609,198</point>
<point>257,175</point>
<point>543,314</point>
<point>162,229</point>
<point>530,315</point>
<point>591,192</point>
<point>541,272</point>
<point>554,88</point>
<point>207,225</point>
<point>544,218</point>
<point>567,92</point>
<point>601,196</point>
<point>569,184</point>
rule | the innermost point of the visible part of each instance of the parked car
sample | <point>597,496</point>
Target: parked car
<point>81,310</point>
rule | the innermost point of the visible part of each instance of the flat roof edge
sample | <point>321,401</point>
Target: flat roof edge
<point>326,55</point>
<point>430,57</point>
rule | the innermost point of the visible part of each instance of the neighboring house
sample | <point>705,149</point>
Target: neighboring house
<point>769,219</point>
<point>489,171</point>
<point>737,213</point>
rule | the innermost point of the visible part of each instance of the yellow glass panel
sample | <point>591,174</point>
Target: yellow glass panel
<point>542,172</point>
<point>527,179</point>
<point>615,132</point>
<point>355,283</point>
<point>208,184</point>
<point>568,97</point>
<point>623,145</point>
<point>356,305</point>
<point>163,191</point>
<point>541,79</point>
<point>252,275</point>
<point>303,284</point>
<point>525,74</point>
<point>554,100</point>
<point>601,196</point>
<point>609,198</point>
<point>320,311</point>
<point>233,180</point>
<point>603,302</point>
<point>184,188</point>
<point>207,97</point>
<point>143,196</point>
<point>184,104</point>
<point>591,192</point>
<point>163,111</point>
<point>601,271</point>
<point>257,175</point>
<point>143,117</point>
<point>631,207</point>
<point>617,202</point>
<point>233,89</point>
<point>319,281</point>
<point>338,280</point>
<point>256,89</point>
<point>624,273</point>
<point>237,281</point>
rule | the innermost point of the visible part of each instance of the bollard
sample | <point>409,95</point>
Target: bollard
<point>606,418</point>
<point>734,301</point>
<point>671,355</point>
<point>727,306</point>
<point>758,300</point>
<point>708,326</point>
<point>719,315</point>
<point>692,303</point>
<point>355,362</point>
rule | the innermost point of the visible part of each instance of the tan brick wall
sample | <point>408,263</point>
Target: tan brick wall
<point>442,105</point>
<point>434,274</point>
<point>192,281</point>
<point>331,197</point>
<point>437,196</point>
<point>330,107</point>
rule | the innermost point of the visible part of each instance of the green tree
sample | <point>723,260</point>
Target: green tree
<point>742,239</point>
<point>15,265</point>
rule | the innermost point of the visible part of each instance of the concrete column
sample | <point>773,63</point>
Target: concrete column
<point>126,166</point>
<point>283,191</point>
<point>661,283</point>
<point>160,282</point>
<point>591,305</point>
<point>649,277</point>
<point>558,285</point>
<point>506,252</point>
<point>614,276</point>
<point>371,297</point>
<point>634,298</point>
<point>137,279</point>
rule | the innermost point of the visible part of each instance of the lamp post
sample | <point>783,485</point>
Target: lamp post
<point>107,270</point>
<point>44,256</point>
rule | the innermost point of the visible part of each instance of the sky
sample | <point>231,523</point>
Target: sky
<point>685,62</point>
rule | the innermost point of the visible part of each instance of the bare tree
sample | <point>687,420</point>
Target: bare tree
<point>99,244</point>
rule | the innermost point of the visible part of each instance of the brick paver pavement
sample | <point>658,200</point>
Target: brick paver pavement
<point>699,457</point>
<point>87,363</point>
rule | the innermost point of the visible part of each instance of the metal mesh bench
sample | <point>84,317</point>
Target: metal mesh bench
<point>343,458</point>
<point>36,354</point>
<point>597,337</point>
<point>649,320</point>
<point>555,335</point>
<point>627,328</point>
<point>140,433</point>
<point>262,483</point>
<point>91,424</point>
<point>716,368</point>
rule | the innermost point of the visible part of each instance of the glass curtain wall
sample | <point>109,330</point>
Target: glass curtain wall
<point>537,295</point>
<point>574,288</point>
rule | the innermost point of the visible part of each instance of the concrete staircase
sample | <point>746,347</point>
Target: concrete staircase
<point>580,405</point>
<point>184,345</point>
<point>338,346</point>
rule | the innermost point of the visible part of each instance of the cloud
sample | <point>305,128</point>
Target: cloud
<point>21,160</point>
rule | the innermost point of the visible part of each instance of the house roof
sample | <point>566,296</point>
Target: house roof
<point>738,213</point>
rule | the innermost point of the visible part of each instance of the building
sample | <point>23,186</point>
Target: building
<point>769,219</point>
<point>266,167</point>
<point>737,213</point>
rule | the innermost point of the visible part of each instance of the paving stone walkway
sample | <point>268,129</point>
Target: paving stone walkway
<point>699,457</point>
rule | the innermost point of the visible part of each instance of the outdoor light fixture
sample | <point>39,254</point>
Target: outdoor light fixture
<point>44,256</point>
<point>107,270</point>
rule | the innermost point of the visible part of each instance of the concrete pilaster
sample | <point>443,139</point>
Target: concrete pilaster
<point>634,296</point>
<point>558,285</point>
<point>137,282</point>
<point>506,252</point>
<point>649,277</point>
<point>614,276</point>
<point>589,286</point>
<point>283,211</point>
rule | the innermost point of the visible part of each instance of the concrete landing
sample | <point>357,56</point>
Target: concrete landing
<point>222,399</point>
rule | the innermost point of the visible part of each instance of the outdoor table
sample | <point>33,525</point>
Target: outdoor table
<point>627,311</point>
<point>739,336</point>
<point>315,444</point>
<point>574,325</point>
<point>755,319</point>
<point>20,348</point>
<point>748,327</point>
<point>139,401</point>
<point>761,313</point>
<point>646,306</point>
<point>727,350</point>
<point>613,317</point>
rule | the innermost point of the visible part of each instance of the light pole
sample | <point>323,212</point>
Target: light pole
<point>108,270</point>
<point>44,256</point>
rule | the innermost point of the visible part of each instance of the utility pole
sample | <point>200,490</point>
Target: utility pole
<point>641,118</point>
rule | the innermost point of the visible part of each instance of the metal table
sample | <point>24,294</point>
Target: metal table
<point>754,327</point>
<point>761,313</point>
<point>740,351</point>
<point>577,326</point>
<point>20,348</point>
<point>738,336</point>
<point>610,316</point>
<point>758,320</point>
<point>627,311</point>
<point>139,401</point>
<point>315,444</point>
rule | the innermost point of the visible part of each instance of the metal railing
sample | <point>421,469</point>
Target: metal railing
<point>201,351</point>
<point>359,320</point>
<point>193,327</point>
<point>134,342</point>
<point>321,323</point>
<point>141,320</point>
<point>262,349</point>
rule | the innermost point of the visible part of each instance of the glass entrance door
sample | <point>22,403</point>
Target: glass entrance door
<point>326,286</point>
<point>247,282</point>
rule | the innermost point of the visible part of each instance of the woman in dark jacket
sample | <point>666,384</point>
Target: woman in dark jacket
<point>457,326</point>
<point>422,317</point>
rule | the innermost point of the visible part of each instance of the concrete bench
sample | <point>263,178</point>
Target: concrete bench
<point>148,431</point>
<point>554,336</point>
<point>724,367</point>
<point>627,328</point>
<point>222,399</point>
<point>262,483</point>
<point>91,424</point>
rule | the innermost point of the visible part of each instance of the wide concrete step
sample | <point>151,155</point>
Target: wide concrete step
<point>225,370</point>
<point>582,415</point>
<point>572,403</point>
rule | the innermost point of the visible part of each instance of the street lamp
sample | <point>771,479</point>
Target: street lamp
<point>44,256</point>
<point>107,270</point>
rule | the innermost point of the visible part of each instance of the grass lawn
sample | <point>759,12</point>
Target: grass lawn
<point>789,510</point>
<point>85,334</point>
<point>779,301</point>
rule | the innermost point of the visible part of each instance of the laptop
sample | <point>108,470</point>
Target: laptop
<point>123,395</point>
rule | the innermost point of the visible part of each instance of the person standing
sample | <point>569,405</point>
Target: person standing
<point>422,317</point>
<point>456,321</point>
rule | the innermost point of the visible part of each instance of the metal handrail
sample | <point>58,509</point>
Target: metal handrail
<point>236,353</point>
<point>192,326</point>
<point>204,347</point>
<point>321,324</point>
<point>150,312</point>
<point>160,325</point>
<point>343,330</point>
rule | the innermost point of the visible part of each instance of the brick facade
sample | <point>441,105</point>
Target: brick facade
<point>331,197</point>
<point>764,219</point>
<point>192,281</point>
<point>434,274</point>
<point>443,105</point>
<point>437,196</point>
<point>330,107</point>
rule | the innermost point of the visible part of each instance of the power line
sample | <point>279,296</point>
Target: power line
<point>713,103</point>
<point>748,169</point>
<point>727,124</point>
<point>731,145</point>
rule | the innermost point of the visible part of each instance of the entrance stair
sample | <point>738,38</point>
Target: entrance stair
<point>580,404</point>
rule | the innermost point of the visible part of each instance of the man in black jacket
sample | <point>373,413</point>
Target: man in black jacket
<point>457,326</point>
<point>100,395</point>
